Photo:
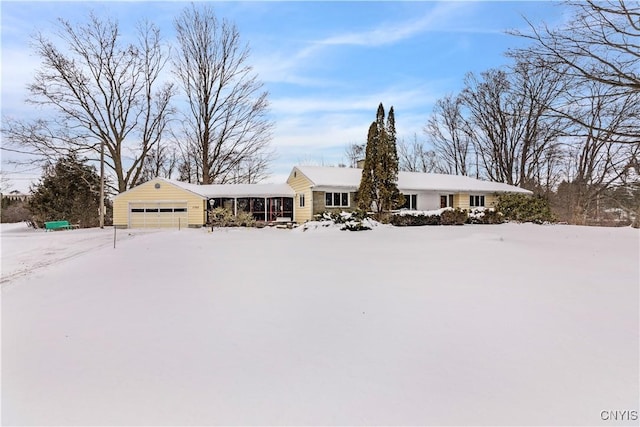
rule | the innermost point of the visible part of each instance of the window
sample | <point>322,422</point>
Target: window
<point>243,204</point>
<point>446,201</point>
<point>410,202</point>
<point>476,201</point>
<point>158,210</point>
<point>301,199</point>
<point>222,202</point>
<point>336,200</point>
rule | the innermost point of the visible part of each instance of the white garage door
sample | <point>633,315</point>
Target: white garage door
<point>158,215</point>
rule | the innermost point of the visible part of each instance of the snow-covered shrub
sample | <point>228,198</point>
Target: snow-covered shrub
<point>455,216</point>
<point>351,221</point>
<point>444,216</point>
<point>222,217</point>
<point>355,226</point>
<point>485,216</point>
<point>400,220</point>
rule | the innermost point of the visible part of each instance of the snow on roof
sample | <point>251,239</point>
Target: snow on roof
<point>325,177</point>
<point>236,190</point>
<point>445,182</point>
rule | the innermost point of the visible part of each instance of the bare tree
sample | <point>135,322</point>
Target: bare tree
<point>354,153</point>
<point>597,53</point>
<point>5,183</point>
<point>448,131</point>
<point>415,157</point>
<point>511,120</point>
<point>160,162</point>
<point>226,122</point>
<point>104,93</point>
<point>601,43</point>
<point>598,160</point>
<point>188,165</point>
<point>537,92</point>
<point>489,103</point>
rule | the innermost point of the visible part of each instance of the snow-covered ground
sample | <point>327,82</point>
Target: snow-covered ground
<point>472,325</point>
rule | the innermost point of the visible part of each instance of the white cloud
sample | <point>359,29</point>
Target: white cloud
<point>389,33</point>
<point>289,63</point>
<point>406,96</point>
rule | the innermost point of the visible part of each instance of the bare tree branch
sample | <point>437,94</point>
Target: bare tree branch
<point>102,91</point>
<point>601,43</point>
<point>227,120</point>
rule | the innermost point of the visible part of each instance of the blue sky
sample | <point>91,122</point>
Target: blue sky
<point>326,65</point>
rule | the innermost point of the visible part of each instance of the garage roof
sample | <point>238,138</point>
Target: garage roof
<point>236,190</point>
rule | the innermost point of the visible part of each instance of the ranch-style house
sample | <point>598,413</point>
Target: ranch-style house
<point>309,190</point>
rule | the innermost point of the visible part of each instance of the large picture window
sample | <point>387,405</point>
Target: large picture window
<point>476,201</point>
<point>336,200</point>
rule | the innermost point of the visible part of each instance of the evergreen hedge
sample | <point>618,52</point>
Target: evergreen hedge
<point>414,220</point>
<point>524,208</point>
<point>449,217</point>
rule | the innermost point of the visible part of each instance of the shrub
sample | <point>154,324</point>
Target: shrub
<point>485,216</point>
<point>524,208</point>
<point>341,217</point>
<point>245,219</point>
<point>414,220</point>
<point>222,217</point>
<point>15,213</point>
<point>355,226</point>
<point>445,216</point>
<point>455,216</point>
<point>357,220</point>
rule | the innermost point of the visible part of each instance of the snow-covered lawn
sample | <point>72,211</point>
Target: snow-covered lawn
<point>496,324</point>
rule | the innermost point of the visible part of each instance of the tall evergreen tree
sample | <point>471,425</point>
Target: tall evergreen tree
<point>368,184</point>
<point>378,185</point>
<point>69,190</point>
<point>391,131</point>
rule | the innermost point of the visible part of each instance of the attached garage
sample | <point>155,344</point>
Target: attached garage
<point>159,203</point>
<point>165,203</point>
<point>158,215</point>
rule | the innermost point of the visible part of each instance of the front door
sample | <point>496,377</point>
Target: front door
<point>275,208</point>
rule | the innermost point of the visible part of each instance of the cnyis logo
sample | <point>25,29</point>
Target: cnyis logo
<point>618,415</point>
